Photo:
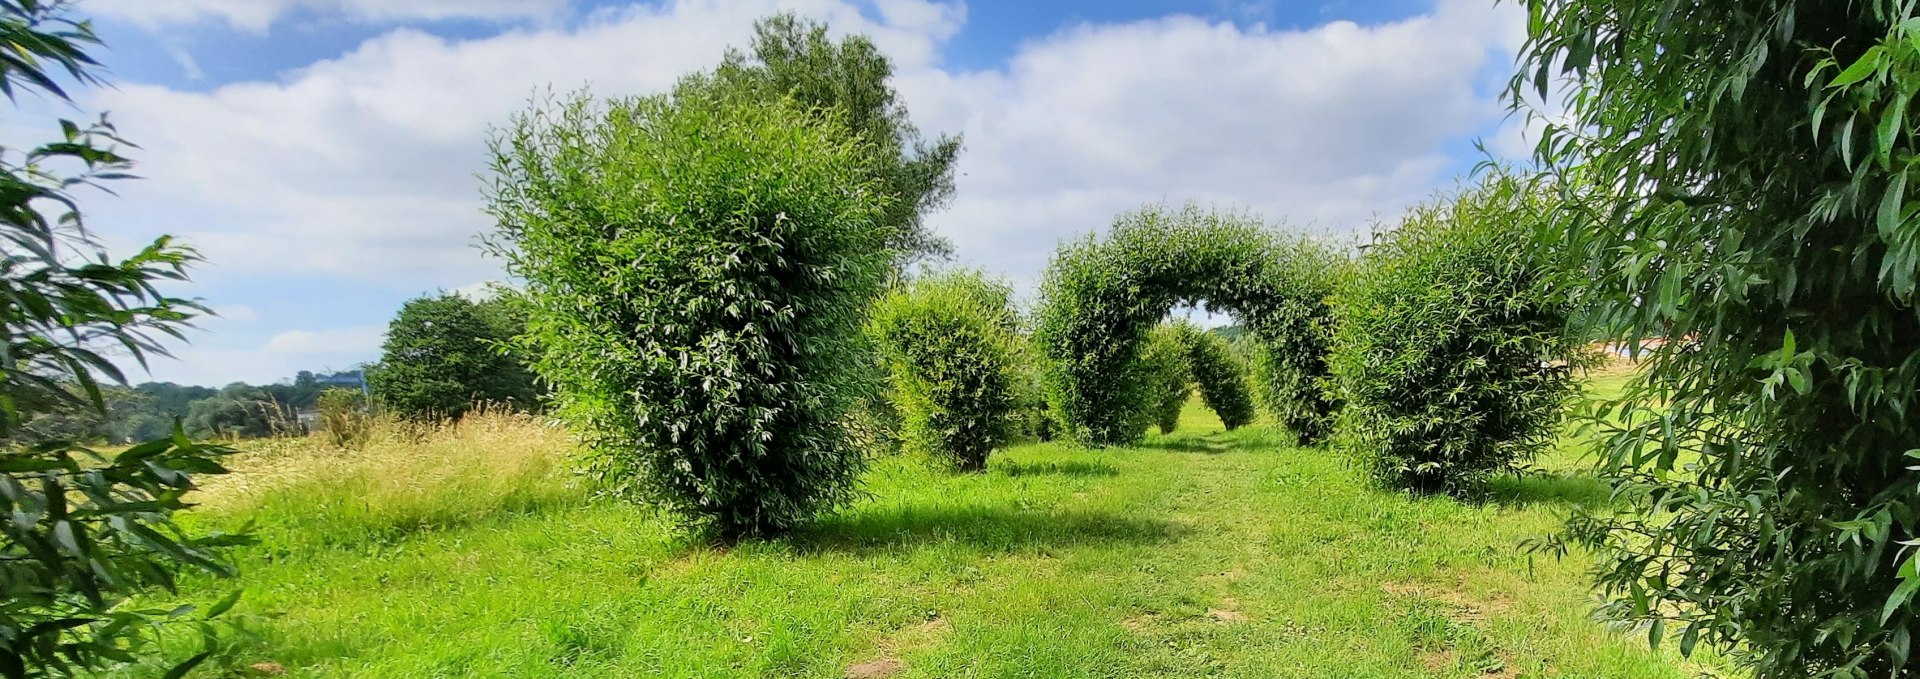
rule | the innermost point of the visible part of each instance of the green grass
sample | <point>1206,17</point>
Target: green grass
<point>1202,553</point>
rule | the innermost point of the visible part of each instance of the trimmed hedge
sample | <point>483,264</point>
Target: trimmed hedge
<point>951,349</point>
<point>699,269</point>
<point>1101,297</point>
<point>1453,352</point>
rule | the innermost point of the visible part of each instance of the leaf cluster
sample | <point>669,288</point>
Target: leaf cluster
<point>84,531</point>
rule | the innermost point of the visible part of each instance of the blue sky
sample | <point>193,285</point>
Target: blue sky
<point>326,155</point>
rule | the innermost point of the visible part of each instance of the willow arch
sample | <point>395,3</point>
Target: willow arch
<point>1101,297</point>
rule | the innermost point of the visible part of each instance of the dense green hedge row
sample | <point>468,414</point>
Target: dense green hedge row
<point>1176,358</point>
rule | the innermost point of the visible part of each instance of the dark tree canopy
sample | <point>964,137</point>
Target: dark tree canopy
<point>444,354</point>
<point>1102,297</point>
<point>1739,179</point>
<point>794,57</point>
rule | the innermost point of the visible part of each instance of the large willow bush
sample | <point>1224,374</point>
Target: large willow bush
<point>698,269</point>
<point>1452,348</point>
<point>1740,179</point>
<point>1101,297</point>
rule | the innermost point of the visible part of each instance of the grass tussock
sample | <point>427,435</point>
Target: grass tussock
<point>406,478</point>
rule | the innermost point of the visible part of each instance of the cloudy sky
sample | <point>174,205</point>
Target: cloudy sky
<point>325,155</point>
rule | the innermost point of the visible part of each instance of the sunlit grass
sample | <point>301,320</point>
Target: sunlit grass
<point>1200,553</point>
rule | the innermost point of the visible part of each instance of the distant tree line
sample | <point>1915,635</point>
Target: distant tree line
<point>147,411</point>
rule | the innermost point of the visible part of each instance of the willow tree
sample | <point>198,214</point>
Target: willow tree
<point>1738,190</point>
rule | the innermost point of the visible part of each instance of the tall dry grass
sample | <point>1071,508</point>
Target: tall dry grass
<point>407,478</point>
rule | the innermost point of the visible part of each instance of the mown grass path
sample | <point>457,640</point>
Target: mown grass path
<point>1204,553</point>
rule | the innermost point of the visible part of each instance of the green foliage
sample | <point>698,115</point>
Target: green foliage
<point>1453,352</point>
<point>1740,179</point>
<point>84,530</point>
<point>952,349</point>
<point>699,269</point>
<point>1221,376</point>
<point>1164,358</point>
<point>344,418</point>
<point>847,80</point>
<point>1102,297</point>
<point>443,354</point>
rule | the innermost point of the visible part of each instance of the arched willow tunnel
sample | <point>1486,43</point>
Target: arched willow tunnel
<point>1101,296</point>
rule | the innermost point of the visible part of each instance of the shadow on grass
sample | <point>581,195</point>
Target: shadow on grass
<point>1210,445</point>
<point>984,528</point>
<point>1072,468</point>
<point>1548,488</point>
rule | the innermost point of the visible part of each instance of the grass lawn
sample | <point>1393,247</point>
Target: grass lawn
<point>1203,553</point>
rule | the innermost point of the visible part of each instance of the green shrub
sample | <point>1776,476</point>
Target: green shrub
<point>1740,176</point>
<point>1452,352</point>
<point>1165,360</point>
<point>1221,376</point>
<point>699,269</point>
<point>952,350</point>
<point>1101,297</point>
<point>445,353</point>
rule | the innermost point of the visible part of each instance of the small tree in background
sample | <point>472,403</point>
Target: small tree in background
<point>952,350</point>
<point>85,530</point>
<point>1220,374</point>
<point>847,80</point>
<point>1452,351</point>
<point>1165,360</point>
<point>445,353</point>
<point>698,270</point>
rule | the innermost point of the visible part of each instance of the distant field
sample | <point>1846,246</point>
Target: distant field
<point>1204,553</point>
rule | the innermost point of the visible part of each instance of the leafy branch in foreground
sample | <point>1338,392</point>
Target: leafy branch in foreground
<point>86,531</point>
<point>1735,182</point>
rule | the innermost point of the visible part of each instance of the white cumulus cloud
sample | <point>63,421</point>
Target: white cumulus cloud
<point>365,167</point>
